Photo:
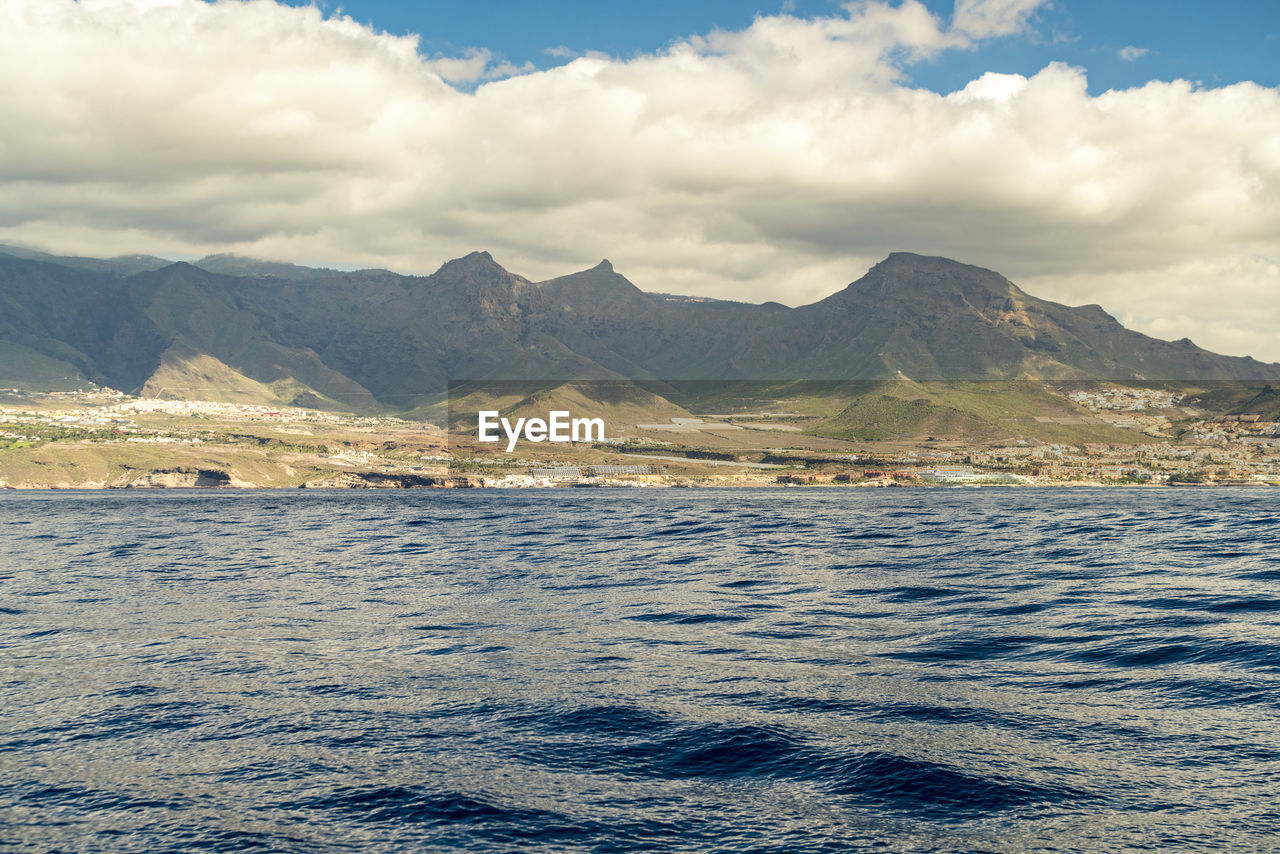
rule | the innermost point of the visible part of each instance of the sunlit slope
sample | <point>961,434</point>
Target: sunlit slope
<point>974,411</point>
<point>618,404</point>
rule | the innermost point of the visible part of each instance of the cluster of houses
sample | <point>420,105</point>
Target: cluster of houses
<point>930,474</point>
<point>1122,399</point>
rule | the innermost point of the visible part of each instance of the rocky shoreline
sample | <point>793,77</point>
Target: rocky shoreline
<point>215,479</point>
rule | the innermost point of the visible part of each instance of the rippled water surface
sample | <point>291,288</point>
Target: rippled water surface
<point>665,670</point>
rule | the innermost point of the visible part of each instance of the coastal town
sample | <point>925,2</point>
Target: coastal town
<point>105,438</point>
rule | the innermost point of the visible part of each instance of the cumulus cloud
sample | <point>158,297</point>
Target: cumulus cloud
<point>775,162</point>
<point>986,18</point>
<point>1129,53</point>
<point>468,68</point>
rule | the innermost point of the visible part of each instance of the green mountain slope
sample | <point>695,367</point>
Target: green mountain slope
<point>1266,405</point>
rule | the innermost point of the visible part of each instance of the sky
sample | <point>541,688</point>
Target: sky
<point>1122,42</point>
<point>1119,153</point>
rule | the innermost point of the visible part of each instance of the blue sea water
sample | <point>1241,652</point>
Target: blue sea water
<point>641,670</point>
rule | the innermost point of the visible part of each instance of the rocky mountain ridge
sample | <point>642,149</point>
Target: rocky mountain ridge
<point>226,328</point>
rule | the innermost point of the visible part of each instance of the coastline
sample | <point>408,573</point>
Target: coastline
<point>107,440</point>
<point>477,483</point>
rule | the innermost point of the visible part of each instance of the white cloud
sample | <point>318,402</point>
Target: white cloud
<point>1129,53</point>
<point>468,68</point>
<point>986,18</point>
<point>776,162</point>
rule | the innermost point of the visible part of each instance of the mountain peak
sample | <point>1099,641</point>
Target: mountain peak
<point>474,262</point>
<point>909,276</point>
<point>916,261</point>
<point>185,268</point>
<point>600,281</point>
<point>177,273</point>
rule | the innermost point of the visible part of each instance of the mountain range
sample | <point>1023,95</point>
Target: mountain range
<point>229,328</point>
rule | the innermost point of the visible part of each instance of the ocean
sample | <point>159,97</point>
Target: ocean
<point>640,670</point>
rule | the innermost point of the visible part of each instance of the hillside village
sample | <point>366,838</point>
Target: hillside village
<point>103,437</point>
